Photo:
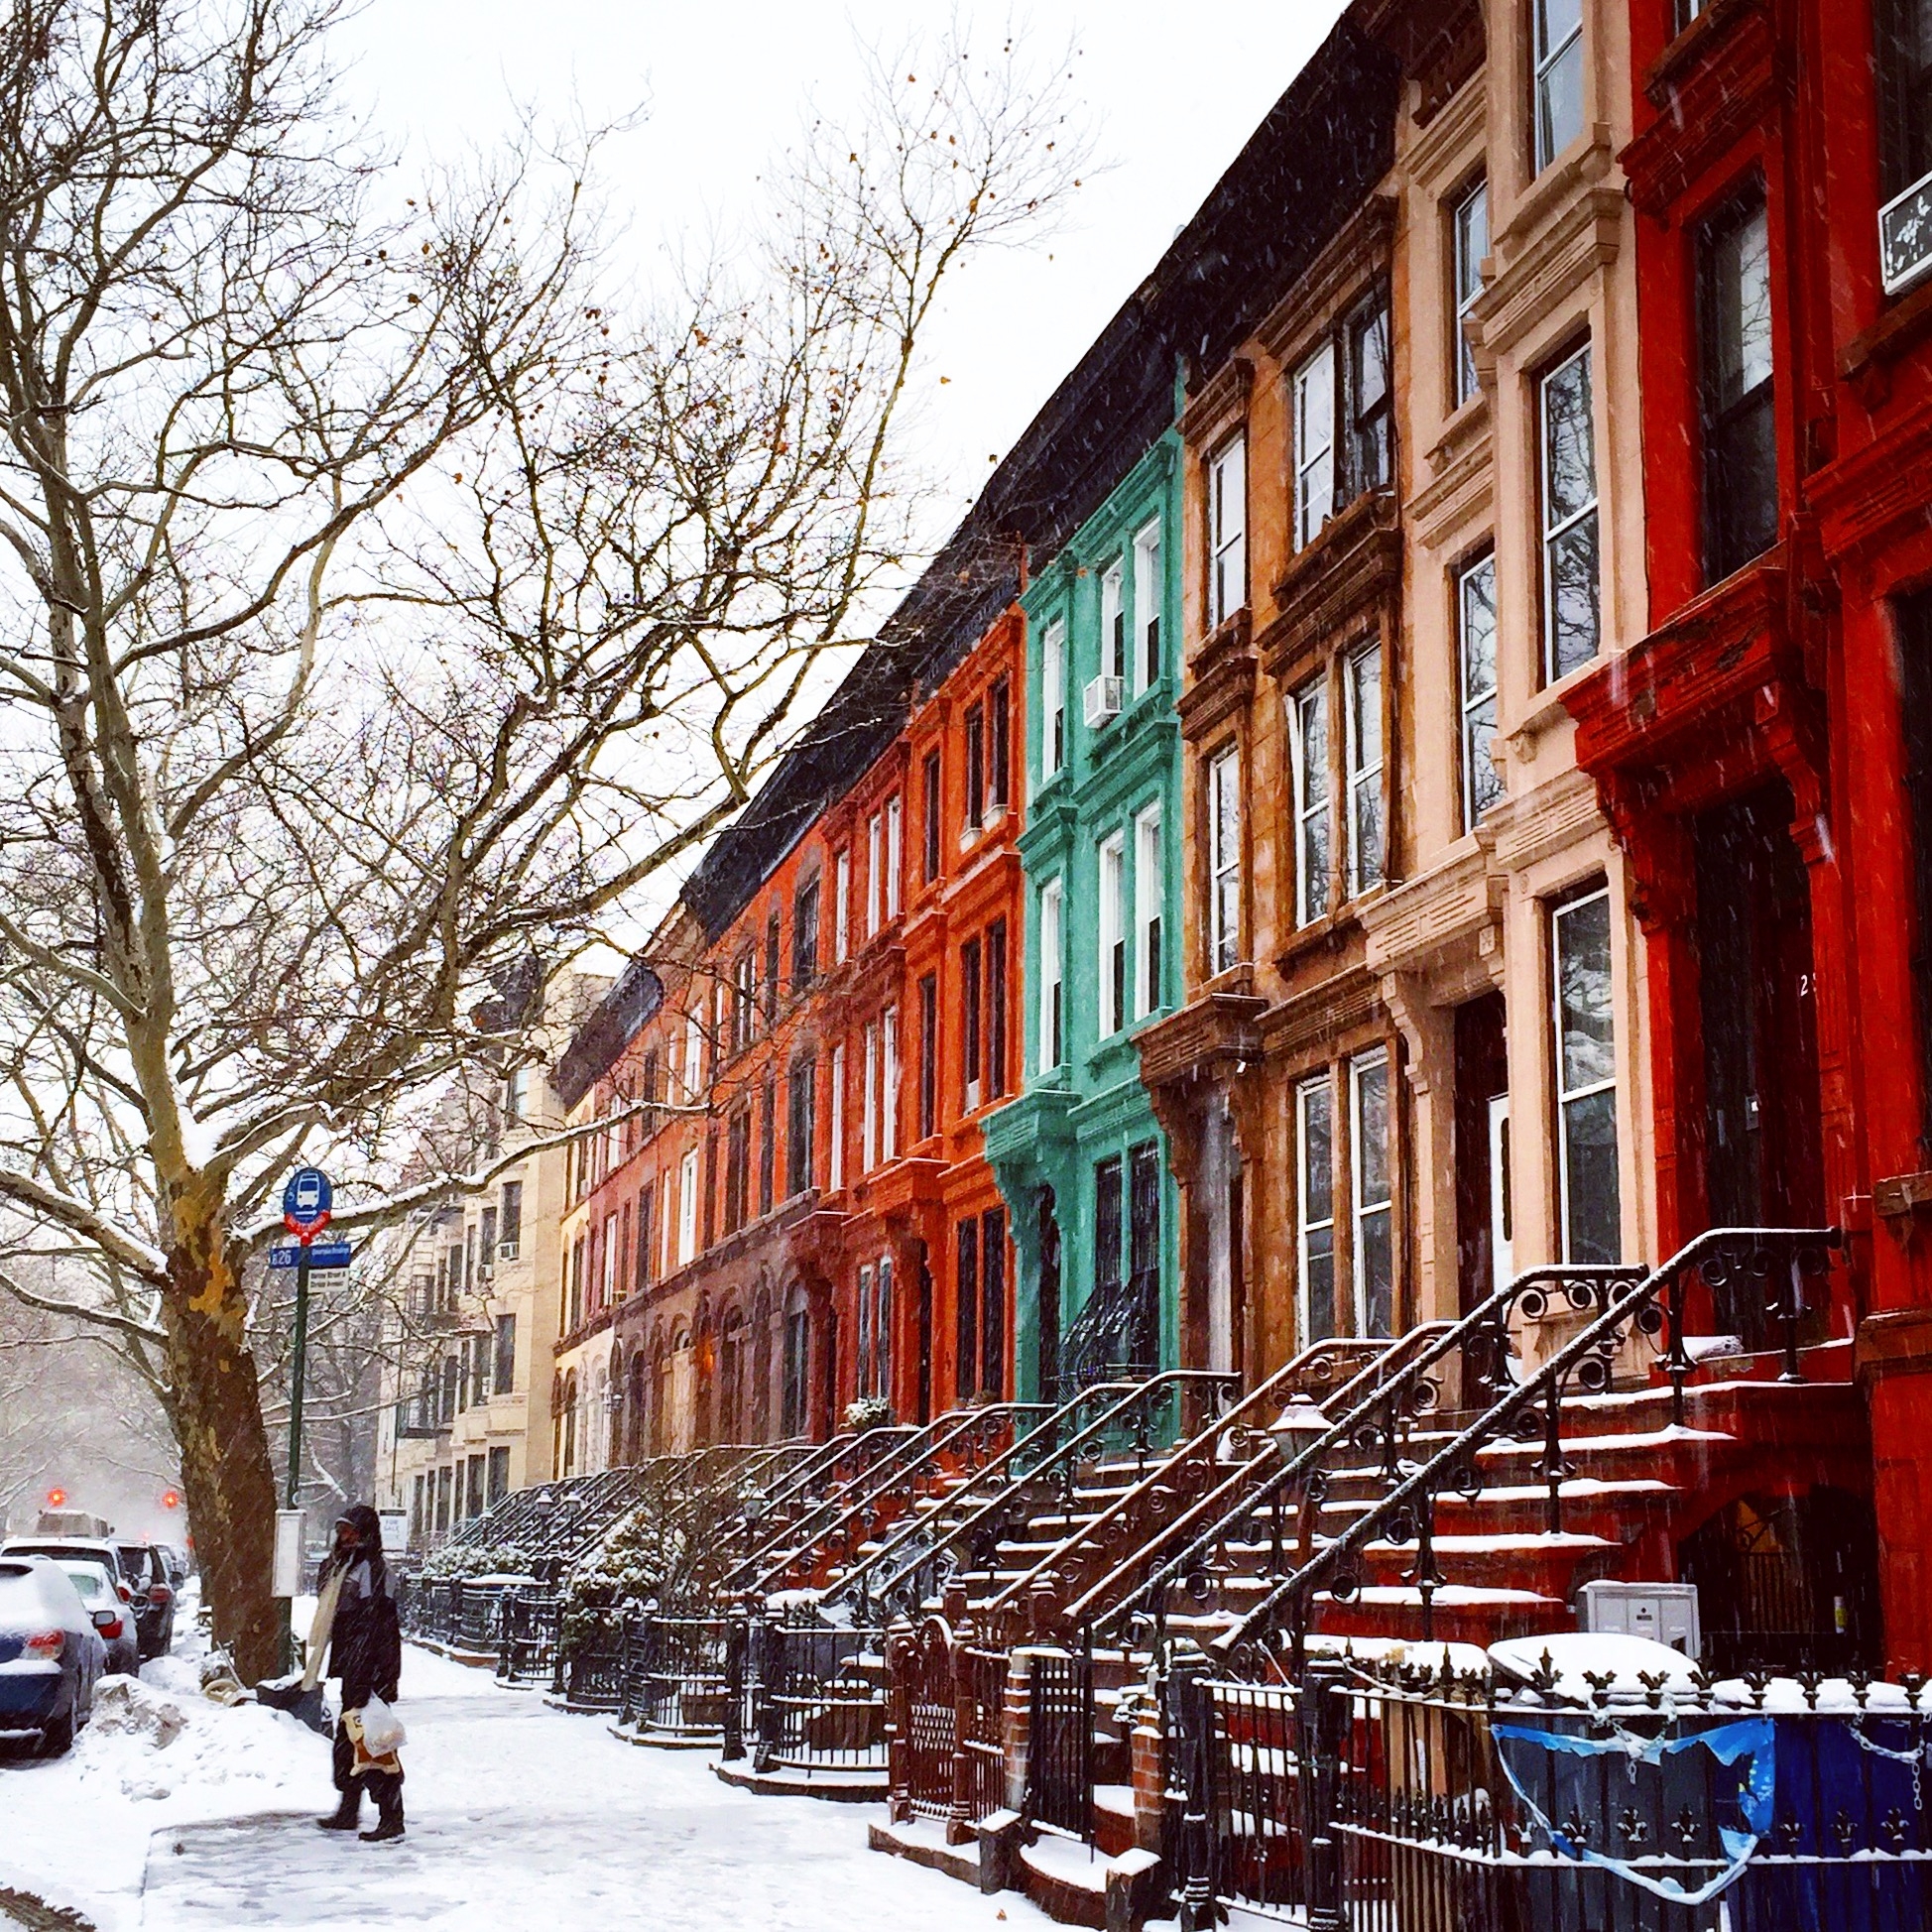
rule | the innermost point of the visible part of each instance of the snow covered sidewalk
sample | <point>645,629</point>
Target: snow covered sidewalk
<point>519,1817</point>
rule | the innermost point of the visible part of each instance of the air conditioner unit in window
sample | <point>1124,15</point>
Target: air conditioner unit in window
<point>505,1251</point>
<point>1102,700</point>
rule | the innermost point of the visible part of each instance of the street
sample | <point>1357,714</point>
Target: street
<point>519,1816</point>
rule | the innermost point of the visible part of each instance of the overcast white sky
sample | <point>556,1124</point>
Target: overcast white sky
<point>1172,94</point>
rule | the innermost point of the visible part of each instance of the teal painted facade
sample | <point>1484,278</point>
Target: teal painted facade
<point>1101,865</point>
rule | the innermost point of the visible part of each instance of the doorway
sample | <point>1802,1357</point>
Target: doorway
<point>1482,1213</point>
<point>1047,1359</point>
<point>1762,1143</point>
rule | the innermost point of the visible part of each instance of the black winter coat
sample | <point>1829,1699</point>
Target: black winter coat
<point>365,1648</point>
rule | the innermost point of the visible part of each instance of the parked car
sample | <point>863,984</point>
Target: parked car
<point>50,1653</point>
<point>178,1568</point>
<point>146,1569</point>
<point>98,1590</point>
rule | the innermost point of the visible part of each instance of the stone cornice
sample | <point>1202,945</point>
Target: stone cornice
<point>1221,681</point>
<point>1569,226</point>
<point>1714,82</point>
<point>1220,404</point>
<point>1211,1036</point>
<point>1334,280</point>
<point>1336,582</point>
<point>1454,901</point>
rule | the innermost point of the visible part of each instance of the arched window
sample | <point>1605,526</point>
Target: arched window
<point>731,1378</point>
<point>567,1461</point>
<point>617,1422</point>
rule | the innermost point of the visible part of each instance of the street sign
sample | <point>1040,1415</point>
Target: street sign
<point>307,1200</point>
<point>321,1253</point>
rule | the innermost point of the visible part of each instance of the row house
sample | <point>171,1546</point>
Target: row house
<point>1080,1155</point>
<point>1413,522</point>
<point>467,1390</point>
<point>1763,751</point>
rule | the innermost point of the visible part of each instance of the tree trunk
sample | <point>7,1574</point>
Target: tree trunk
<point>218,1416</point>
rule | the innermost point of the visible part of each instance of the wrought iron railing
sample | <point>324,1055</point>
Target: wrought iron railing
<point>1060,1739</point>
<point>818,1698</point>
<point>1526,1407</point>
<point>676,1680</point>
<point>531,1626</point>
<point>1115,1336</point>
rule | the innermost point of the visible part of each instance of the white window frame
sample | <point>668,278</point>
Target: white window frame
<point>895,853</point>
<point>1149,908</point>
<point>1567,1096</point>
<point>1224,860</point>
<point>1363,775</point>
<point>1112,620</point>
<point>841,905</point>
<point>1555,531</point>
<point>1314,454</point>
<point>875,871</point>
<point>889,1074</point>
<point>1361,1208</point>
<point>1546,59</point>
<point>1473,697</point>
<point>1147,601</point>
<point>1312,1216</point>
<point>1052,678</point>
<point>869,1101</point>
<point>1227,503</point>
<point>693,1056</point>
<point>687,1186</point>
<point>1314,798</point>
<point>1111,864</point>
<point>836,1178</point>
<point>1468,213</point>
<point>1052,971</point>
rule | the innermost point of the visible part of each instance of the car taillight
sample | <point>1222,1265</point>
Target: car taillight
<point>43,1645</point>
<point>127,1595</point>
<point>113,1631</point>
<point>159,1592</point>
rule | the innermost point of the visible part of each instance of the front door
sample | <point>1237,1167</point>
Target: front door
<point>1481,1151</point>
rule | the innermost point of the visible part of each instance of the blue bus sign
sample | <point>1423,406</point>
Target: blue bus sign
<point>307,1200</point>
<point>321,1253</point>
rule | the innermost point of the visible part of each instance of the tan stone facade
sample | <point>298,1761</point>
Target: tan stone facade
<point>1436,429</point>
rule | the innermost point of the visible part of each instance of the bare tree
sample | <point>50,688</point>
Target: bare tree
<point>383,599</point>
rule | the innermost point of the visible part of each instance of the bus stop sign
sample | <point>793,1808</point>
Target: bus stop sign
<point>305,1202</point>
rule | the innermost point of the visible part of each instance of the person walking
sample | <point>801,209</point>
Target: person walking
<point>356,1624</point>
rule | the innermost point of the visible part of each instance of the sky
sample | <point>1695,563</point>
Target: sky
<point>728,83</point>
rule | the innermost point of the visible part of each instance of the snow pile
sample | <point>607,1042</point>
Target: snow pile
<point>1577,1666</point>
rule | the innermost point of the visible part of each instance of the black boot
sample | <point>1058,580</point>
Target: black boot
<point>347,1813</point>
<point>388,1819</point>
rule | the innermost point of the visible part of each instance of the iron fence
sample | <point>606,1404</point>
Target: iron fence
<point>818,1700</point>
<point>1439,1804</point>
<point>674,1682</point>
<point>527,1649</point>
<point>593,1660</point>
<point>1060,1739</point>
<point>981,1781</point>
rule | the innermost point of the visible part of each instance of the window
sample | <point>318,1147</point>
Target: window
<point>1469,236</point>
<point>1586,1080</point>
<point>1904,68</point>
<point>1739,431</point>
<point>1314,1102</point>
<point>1149,891</point>
<point>975,767</point>
<point>799,1125</point>
<point>510,1223</point>
<point>929,1056</point>
<point>576,1282</point>
<point>738,1169</point>
<point>1558,50</point>
<point>479,1373</point>
<point>1227,494</point>
<point>743,1001</point>
<point>1224,860</point>
<point>869,1101</point>
<point>969,1030</point>
<point>693,1057</point>
<point>841,906</point>
<point>875,872</point>
<point>797,1363</point>
<point>503,1369</point>
<point>865,1314</point>
<point>980,1248</point>
<point>1109,1213</point>
<point>611,1259</point>
<point>1147,606</point>
<point>499,1474</point>
<point>1113,938</point>
<point>804,934</point>
<point>646,1229</point>
<point>894,852</point>
<point>930,852</point>
<point>1052,982</point>
<point>774,955</point>
<point>998,709</point>
<point>1370,412</point>
<point>1053,680</point>
<point>874,1352</point>
<point>687,1209</point>
<point>835,1177</point>
<point>889,1084</point>
<point>1113,621</point>
<point>1315,835</point>
<point>768,1135</point>
<point>1361,675</point>
<point>995,1009</point>
<point>516,1093</point>
<point>1569,509</point>
<point>1314,445</point>
<point>1373,1229</point>
<point>966,1258</point>
<point>1476,669</point>
<point>1144,1254</point>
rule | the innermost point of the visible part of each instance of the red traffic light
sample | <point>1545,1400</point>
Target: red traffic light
<point>57,1499</point>
<point>171,1499</point>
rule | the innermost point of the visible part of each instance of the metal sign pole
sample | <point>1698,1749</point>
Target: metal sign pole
<point>297,1371</point>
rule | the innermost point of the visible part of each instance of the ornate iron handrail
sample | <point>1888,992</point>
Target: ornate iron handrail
<point>1127,1311</point>
<point>1652,1305</point>
<point>831,1477</point>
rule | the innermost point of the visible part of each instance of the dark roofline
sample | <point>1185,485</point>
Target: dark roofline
<point>606,1030</point>
<point>1313,160</point>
